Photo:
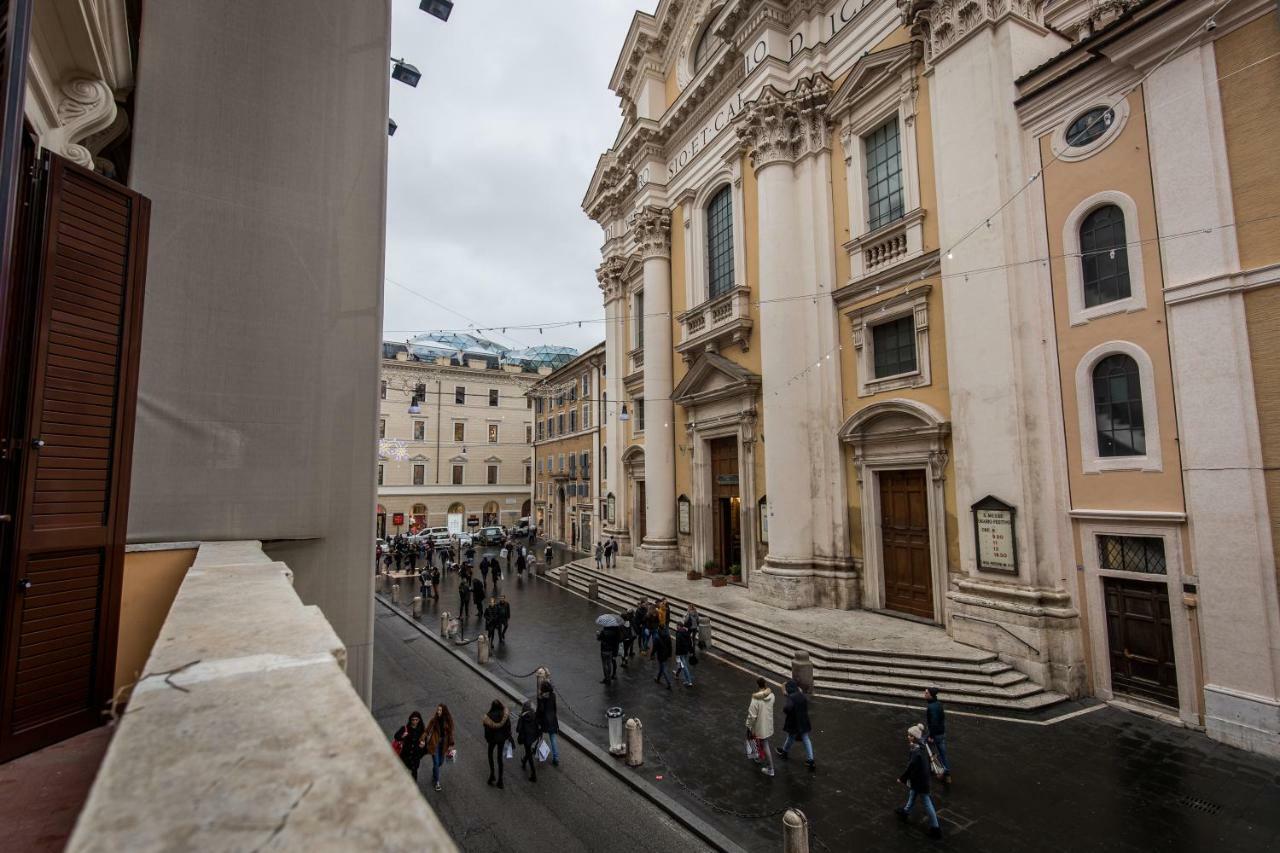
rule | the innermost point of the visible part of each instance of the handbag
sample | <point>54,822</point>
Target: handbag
<point>751,748</point>
<point>451,755</point>
<point>507,751</point>
<point>544,750</point>
<point>397,745</point>
<point>935,763</point>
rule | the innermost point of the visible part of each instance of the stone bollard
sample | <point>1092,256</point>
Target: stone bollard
<point>417,607</point>
<point>482,649</point>
<point>444,623</point>
<point>795,832</point>
<point>564,575</point>
<point>395,593</point>
<point>704,629</point>
<point>802,671</point>
<point>540,569</point>
<point>635,743</point>
<point>593,590</point>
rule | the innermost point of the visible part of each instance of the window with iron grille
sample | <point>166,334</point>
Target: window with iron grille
<point>884,175</point>
<point>1104,257</point>
<point>460,395</point>
<point>419,474</point>
<point>720,243</point>
<point>1132,554</point>
<point>380,475</point>
<point>493,433</point>
<point>893,346</point>
<point>459,432</point>
<point>1117,407</point>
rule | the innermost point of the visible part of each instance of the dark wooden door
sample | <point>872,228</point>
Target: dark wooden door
<point>73,459</point>
<point>725,505</point>
<point>640,512</point>
<point>904,538</point>
<point>1140,636</point>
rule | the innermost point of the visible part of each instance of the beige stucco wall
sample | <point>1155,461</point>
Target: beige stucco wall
<point>1122,166</point>
<point>151,580</point>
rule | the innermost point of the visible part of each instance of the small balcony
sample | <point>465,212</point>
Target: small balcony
<point>887,246</point>
<point>716,323</point>
<point>636,358</point>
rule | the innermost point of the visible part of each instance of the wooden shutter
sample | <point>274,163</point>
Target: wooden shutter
<point>75,456</point>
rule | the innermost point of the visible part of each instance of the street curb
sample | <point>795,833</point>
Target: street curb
<point>686,818</point>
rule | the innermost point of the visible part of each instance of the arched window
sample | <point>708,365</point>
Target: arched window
<point>1117,407</point>
<point>720,243</point>
<point>1104,257</point>
<point>705,47</point>
<point>490,513</point>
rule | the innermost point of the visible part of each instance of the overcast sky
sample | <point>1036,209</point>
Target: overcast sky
<point>490,163</point>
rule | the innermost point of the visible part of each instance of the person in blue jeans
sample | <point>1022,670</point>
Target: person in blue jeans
<point>935,730</point>
<point>684,648</point>
<point>661,652</point>
<point>795,722</point>
<point>547,720</point>
<point>439,741</point>
<point>916,778</point>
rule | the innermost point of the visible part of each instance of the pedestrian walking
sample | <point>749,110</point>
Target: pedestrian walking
<point>410,743</point>
<point>548,722</point>
<point>484,569</point>
<point>522,560</point>
<point>935,730</point>
<point>504,618</point>
<point>795,722</point>
<point>684,648</point>
<point>527,735</point>
<point>916,778</point>
<point>439,741</point>
<point>760,724</point>
<point>609,637</point>
<point>491,620</point>
<point>664,611</point>
<point>661,653</point>
<point>413,559</point>
<point>477,594</point>
<point>599,556</point>
<point>613,552</point>
<point>471,553</point>
<point>495,568</point>
<point>464,598</point>
<point>628,636</point>
<point>693,621</point>
<point>546,555</point>
<point>640,624</point>
<point>435,582</point>
<point>497,734</point>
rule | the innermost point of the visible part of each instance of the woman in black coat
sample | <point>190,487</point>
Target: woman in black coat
<point>411,743</point>
<point>497,733</point>
<point>547,719</point>
<point>527,734</point>
<point>795,722</point>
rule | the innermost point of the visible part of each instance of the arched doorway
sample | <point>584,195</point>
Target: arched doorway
<point>490,514</point>
<point>526,509</point>
<point>419,520</point>
<point>633,500</point>
<point>381,522</point>
<point>560,511</point>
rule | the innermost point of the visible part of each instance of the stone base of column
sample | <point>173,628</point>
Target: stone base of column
<point>1242,719</point>
<point>1037,630</point>
<point>793,585</point>
<point>623,535</point>
<point>658,555</point>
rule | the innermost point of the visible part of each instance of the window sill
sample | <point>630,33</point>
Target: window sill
<point>914,379</point>
<point>1103,465</point>
<point>1128,305</point>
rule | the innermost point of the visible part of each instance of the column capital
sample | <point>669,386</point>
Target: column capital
<point>783,127</point>
<point>609,274</point>
<point>652,230</point>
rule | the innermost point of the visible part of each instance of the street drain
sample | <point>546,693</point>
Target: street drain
<point>1197,804</point>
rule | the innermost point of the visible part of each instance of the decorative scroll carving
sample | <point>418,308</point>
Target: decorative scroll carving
<point>88,106</point>
<point>652,232</point>
<point>609,274</point>
<point>780,127</point>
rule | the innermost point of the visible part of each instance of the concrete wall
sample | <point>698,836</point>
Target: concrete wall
<point>260,136</point>
<point>151,580</point>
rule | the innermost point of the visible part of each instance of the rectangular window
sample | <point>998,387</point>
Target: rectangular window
<point>560,423</point>
<point>492,475</point>
<point>604,458</point>
<point>382,428</point>
<point>493,396</point>
<point>604,411</point>
<point>560,462</point>
<point>460,395</point>
<point>573,420</point>
<point>382,392</point>
<point>493,433</point>
<point>419,430</point>
<point>586,417</point>
<point>419,474</point>
<point>528,474</point>
<point>1132,554</point>
<point>540,431</point>
<point>380,467</point>
<point>573,464</point>
<point>893,344</point>
<point>528,433</point>
<point>637,319</point>
<point>459,432</point>
<point>457,475</point>
<point>586,464</point>
<point>538,405</point>
<point>884,175</point>
<point>528,402</point>
<point>639,415</point>
<point>586,385</point>
<point>573,394</point>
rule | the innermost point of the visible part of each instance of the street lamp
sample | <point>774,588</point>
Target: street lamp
<point>414,408</point>
<point>405,73</point>
<point>391,127</point>
<point>624,417</point>
<point>438,8</point>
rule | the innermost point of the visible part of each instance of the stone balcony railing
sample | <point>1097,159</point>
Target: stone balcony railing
<point>245,733</point>
<point>887,246</point>
<point>636,357</point>
<point>716,323</point>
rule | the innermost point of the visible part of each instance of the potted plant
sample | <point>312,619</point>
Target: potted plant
<point>717,579</point>
<point>694,574</point>
<point>736,571</point>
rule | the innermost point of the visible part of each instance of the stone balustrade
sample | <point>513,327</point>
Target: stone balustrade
<point>726,319</point>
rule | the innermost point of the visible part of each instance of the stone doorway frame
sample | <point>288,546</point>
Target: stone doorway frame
<point>742,426</point>
<point>633,473</point>
<point>899,435</point>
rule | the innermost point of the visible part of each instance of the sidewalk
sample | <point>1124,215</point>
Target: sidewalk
<point>844,629</point>
<point>1106,780</point>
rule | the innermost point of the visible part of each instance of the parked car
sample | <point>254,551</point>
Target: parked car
<point>491,536</point>
<point>522,527</point>
<point>464,539</point>
<point>443,537</point>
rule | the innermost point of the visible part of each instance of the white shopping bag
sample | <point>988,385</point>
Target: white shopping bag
<point>751,748</point>
<point>507,751</point>
<point>544,750</point>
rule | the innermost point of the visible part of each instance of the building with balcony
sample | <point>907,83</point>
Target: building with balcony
<point>570,444</point>
<point>954,312</point>
<point>455,432</point>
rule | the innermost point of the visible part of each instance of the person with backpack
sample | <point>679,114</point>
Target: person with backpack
<point>527,734</point>
<point>548,722</point>
<point>916,778</point>
<point>935,730</point>
<point>684,648</point>
<point>795,722</point>
<point>439,743</point>
<point>546,555</point>
<point>640,624</point>
<point>760,724</point>
<point>497,734</point>
<point>661,653</point>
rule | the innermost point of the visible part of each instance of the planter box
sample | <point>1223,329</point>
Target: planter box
<point>693,576</point>
<point>719,580</point>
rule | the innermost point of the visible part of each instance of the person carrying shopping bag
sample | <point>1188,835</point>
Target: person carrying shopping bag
<point>760,724</point>
<point>497,735</point>
<point>439,742</point>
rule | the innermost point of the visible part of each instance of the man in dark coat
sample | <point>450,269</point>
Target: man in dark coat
<point>684,648</point>
<point>916,778</point>
<point>464,598</point>
<point>477,593</point>
<point>935,730</point>
<point>548,722</point>
<point>795,722</point>
<point>504,618</point>
<point>491,620</point>
<point>609,637</point>
<point>484,569</point>
<point>661,652</point>
<point>527,735</point>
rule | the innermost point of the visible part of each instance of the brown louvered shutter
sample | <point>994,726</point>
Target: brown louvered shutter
<point>75,458</point>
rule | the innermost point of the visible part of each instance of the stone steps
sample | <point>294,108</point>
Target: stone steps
<point>973,678</point>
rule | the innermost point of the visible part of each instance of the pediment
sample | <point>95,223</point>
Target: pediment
<point>870,73</point>
<point>711,377</point>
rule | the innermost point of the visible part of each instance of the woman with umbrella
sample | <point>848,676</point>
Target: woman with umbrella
<point>610,635</point>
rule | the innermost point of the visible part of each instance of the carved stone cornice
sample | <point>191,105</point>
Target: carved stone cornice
<point>782,127</point>
<point>944,24</point>
<point>609,274</point>
<point>652,232</point>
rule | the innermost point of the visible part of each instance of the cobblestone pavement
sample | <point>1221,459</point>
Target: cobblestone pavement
<point>1104,780</point>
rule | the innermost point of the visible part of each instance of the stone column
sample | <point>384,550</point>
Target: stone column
<point>658,551</point>
<point>771,129</point>
<point>609,275</point>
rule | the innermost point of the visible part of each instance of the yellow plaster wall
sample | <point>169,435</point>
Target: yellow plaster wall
<point>151,581</point>
<point>1124,166</point>
<point>673,87</point>
<point>1262,315</point>
<point>1250,92</point>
